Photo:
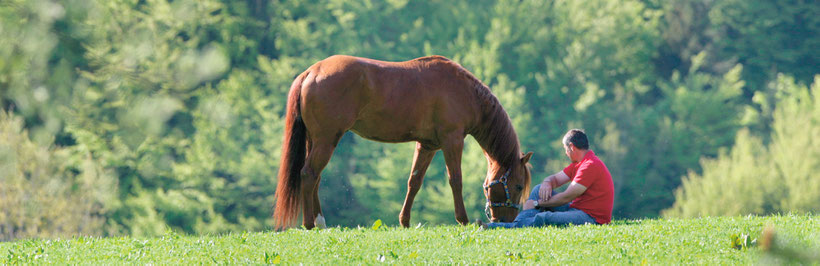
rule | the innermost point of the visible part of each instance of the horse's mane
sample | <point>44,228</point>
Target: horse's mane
<point>498,134</point>
<point>496,130</point>
<point>502,142</point>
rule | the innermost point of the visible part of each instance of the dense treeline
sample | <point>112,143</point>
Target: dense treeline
<point>136,116</point>
<point>756,177</point>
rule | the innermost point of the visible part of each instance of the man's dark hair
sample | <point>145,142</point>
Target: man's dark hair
<point>578,138</point>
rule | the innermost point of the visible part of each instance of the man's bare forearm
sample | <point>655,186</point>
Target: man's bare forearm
<point>554,181</point>
<point>556,200</point>
<point>549,180</point>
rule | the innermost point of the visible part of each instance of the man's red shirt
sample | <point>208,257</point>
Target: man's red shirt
<point>597,200</point>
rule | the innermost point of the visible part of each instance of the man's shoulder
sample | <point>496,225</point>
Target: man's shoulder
<point>590,158</point>
<point>593,158</point>
<point>592,162</point>
<point>599,166</point>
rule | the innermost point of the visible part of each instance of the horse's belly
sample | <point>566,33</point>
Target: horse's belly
<point>386,132</point>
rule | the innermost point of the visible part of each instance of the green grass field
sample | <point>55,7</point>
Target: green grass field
<point>651,241</point>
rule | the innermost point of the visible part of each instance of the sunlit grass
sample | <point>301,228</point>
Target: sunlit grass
<point>700,241</point>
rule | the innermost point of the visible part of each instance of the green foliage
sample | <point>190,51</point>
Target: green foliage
<point>795,139</point>
<point>697,114</point>
<point>377,224</point>
<point>672,241</point>
<point>742,241</point>
<point>758,178</point>
<point>48,191</point>
<point>769,37</point>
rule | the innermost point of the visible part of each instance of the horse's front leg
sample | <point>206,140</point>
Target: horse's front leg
<point>453,148</point>
<point>421,160</point>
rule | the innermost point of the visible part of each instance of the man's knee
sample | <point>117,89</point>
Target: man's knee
<point>534,192</point>
<point>526,214</point>
<point>542,218</point>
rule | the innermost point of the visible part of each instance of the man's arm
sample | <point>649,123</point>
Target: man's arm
<point>573,191</point>
<point>551,182</point>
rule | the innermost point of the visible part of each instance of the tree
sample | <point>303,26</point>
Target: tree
<point>769,37</point>
<point>49,191</point>
<point>762,179</point>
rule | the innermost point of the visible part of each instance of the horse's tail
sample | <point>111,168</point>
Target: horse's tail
<point>293,159</point>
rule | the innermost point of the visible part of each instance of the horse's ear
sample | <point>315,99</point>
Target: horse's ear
<point>526,158</point>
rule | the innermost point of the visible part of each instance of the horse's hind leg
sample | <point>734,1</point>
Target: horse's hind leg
<point>317,206</point>
<point>320,150</point>
<point>421,160</point>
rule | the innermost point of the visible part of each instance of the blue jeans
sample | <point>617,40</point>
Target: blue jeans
<point>560,215</point>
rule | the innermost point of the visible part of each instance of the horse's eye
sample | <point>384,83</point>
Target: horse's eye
<point>519,187</point>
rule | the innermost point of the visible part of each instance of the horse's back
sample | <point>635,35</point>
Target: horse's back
<point>387,101</point>
<point>331,93</point>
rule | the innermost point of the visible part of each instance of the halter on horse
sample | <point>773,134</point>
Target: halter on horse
<point>508,203</point>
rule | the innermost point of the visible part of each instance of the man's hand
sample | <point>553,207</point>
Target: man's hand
<point>545,192</point>
<point>541,202</point>
<point>573,191</point>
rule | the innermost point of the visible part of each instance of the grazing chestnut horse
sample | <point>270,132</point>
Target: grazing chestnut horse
<point>430,100</point>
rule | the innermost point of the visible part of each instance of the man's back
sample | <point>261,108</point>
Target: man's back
<point>597,200</point>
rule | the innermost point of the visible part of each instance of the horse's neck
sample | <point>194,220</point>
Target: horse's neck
<point>498,139</point>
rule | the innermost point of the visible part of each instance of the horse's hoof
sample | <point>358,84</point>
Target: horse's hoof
<point>320,222</point>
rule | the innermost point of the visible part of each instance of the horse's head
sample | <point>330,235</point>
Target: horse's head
<point>507,189</point>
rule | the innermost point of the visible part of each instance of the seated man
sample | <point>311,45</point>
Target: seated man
<point>588,199</point>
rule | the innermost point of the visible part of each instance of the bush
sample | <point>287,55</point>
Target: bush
<point>48,191</point>
<point>755,178</point>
